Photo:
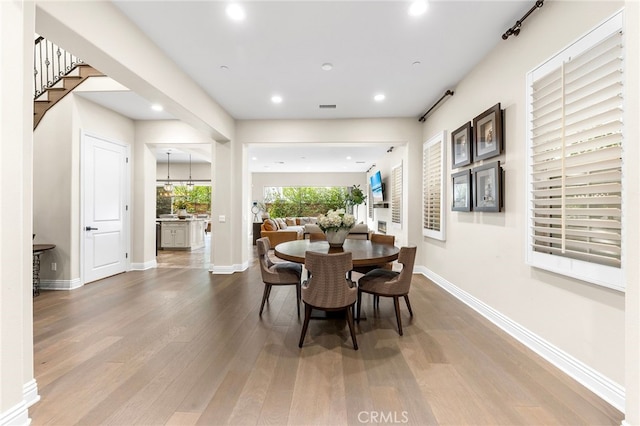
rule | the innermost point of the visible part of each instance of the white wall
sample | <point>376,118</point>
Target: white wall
<point>484,254</point>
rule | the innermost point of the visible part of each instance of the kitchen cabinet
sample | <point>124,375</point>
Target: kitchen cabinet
<point>182,234</point>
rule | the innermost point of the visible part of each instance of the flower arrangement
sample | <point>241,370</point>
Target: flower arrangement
<point>335,220</point>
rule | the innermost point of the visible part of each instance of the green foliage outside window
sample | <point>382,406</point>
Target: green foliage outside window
<point>198,200</point>
<point>304,201</point>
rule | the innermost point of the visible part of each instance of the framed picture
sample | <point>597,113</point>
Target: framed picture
<point>487,129</point>
<point>461,141</point>
<point>461,191</point>
<point>487,188</point>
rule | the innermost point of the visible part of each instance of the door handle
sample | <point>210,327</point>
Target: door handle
<point>88,228</point>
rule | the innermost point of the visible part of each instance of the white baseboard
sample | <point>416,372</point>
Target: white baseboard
<point>60,284</point>
<point>605,388</point>
<point>226,270</point>
<point>18,415</point>
<point>144,266</point>
<point>30,393</point>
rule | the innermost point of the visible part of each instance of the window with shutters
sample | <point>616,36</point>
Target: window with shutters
<point>396,194</point>
<point>575,145</point>
<point>433,166</point>
<point>369,201</point>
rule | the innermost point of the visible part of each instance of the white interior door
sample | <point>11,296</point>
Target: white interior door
<point>105,208</point>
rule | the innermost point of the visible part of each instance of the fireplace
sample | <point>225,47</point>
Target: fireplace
<point>382,227</point>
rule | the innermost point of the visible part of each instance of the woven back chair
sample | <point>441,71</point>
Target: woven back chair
<point>387,283</point>
<point>279,273</point>
<point>328,288</point>
<point>317,236</point>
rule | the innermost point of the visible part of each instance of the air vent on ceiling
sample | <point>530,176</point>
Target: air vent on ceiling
<point>326,106</point>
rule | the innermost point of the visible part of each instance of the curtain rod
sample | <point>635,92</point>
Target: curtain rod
<point>447,93</point>
<point>515,30</point>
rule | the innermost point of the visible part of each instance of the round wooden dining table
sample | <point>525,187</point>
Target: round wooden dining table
<point>363,252</point>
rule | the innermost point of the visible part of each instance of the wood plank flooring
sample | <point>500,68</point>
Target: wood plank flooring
<point>178,346</point>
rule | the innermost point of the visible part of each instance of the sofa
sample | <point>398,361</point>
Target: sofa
<point>280,230</point>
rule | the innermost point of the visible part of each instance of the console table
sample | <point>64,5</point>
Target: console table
<point>38,249</point>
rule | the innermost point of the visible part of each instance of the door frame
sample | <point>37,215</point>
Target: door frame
<point>126,214</point>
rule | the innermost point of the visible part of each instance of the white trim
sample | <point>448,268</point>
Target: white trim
<point>30,392</point>
<point>144,266</point>
<point>16,416</point>
<point>226,270</point>
<point>605,388</point>
<point>60,284</point>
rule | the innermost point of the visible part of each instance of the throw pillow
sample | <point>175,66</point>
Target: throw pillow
<point>270,225</point>
<point>281,223</point>
<point>290,221</point>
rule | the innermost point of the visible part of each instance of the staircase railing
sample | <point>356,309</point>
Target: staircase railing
<point>51,63</point>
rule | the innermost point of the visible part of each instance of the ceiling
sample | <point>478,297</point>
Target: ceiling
<point>375,47</point>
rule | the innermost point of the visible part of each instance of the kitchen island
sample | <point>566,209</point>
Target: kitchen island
<point>181,234</point>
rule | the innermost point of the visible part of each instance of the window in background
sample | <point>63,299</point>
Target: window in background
<point>396,194</point>
<point>433,167</point>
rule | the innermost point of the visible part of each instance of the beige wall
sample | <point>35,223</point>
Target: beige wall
<point>584,320</point>
<point>403,133</point>
<point>199,172</point>
<point>57,151</point>
<point>18,389</point>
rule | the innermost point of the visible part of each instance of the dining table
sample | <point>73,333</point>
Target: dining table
<point>363,252</point>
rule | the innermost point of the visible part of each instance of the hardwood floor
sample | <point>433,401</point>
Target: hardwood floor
<point>179,346</point>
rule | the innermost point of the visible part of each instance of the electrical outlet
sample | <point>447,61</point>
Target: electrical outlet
<point>54,266</point>
<point>222,218</point>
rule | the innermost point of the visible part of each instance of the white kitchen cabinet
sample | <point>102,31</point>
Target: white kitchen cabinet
<point>182,234</point>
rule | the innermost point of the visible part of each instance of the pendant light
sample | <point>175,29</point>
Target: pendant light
<point>168,186</point>
<point>190,182</point>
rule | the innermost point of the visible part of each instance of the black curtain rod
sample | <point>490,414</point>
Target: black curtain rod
<point>447,93</point>
<point>515,30</point>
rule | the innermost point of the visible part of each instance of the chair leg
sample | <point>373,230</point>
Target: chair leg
<point>406,299</point>
<point>376,301</point>
<point>359,306</point>
<point>396,304</point>
<point>265,295</point>
<point>307,315</point>
<point>298,298</point>
<point>351,327</point>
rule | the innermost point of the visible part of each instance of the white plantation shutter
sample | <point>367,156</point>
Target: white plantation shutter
<point>576,140</point>
<point>396,194</point>
<point>433,157</point>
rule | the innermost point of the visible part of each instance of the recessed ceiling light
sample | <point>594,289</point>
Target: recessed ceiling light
<point>254,158</point>
<point>418,7</point>
<point>157,107</point>
<point>327,66</point>
<point>416,63</point>
<point>379,97</point>
<point>235,12</point>
<point>224,68</point>
<point>276,99</point>
<point>348,157</point>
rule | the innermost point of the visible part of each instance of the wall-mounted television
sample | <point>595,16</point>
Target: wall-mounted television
<point>377,191</point>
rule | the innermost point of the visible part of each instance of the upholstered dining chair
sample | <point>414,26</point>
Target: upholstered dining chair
<point>380,239</point>
<point>280,273</point>
<point>328,288</point>
<point>387,283</point>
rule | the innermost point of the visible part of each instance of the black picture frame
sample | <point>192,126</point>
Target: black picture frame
<point>487,187</point>
<point>461,143</point>
<point>461,186</point>
<point>488,134</point>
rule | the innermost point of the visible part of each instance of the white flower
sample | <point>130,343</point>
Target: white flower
<point>336,219</point>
